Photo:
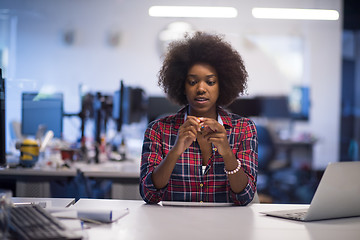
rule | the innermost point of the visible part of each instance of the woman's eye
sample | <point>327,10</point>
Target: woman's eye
<point>211,80</point>
<point>192,82</point>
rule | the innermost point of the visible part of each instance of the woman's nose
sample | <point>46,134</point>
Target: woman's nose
<point>201,87</point>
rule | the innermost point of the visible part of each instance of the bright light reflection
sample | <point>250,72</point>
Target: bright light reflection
<point>293,13</point>
<point>192,11</point>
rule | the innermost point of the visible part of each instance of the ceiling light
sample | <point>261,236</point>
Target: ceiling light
<point>192,11</point>
<point>294,13</point>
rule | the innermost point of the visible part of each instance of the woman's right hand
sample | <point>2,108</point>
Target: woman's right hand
<point>187,134</point>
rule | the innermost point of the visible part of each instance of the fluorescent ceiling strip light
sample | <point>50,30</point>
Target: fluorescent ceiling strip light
<point>192,11</point>
<point>294,13</point>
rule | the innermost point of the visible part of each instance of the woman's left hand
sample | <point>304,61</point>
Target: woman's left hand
<point>213,132</point>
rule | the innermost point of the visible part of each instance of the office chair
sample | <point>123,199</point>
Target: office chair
<point>266,154</point>
<point>279,183</point>
<point>266,148</point>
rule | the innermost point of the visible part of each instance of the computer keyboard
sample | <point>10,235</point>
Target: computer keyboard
<point>34,222</point>
<point>297,215</point>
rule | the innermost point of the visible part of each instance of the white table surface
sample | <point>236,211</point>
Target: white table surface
<point>167,222</point>
<point>50,202</point>
<point>110,169</point>
<point>37,172</point>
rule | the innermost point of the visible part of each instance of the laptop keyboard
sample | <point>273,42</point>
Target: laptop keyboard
<point>296,215</point>
<point>33,222</point>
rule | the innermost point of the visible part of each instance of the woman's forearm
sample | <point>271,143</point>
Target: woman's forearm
<point>162,172</point>
<point>238,180</point>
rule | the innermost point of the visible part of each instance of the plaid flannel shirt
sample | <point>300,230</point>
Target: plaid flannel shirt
<point>187,181</point>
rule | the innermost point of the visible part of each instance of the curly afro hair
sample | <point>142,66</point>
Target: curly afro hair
<point>203,48</point>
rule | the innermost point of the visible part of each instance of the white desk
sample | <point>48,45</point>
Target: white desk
<point>125,177</point>
<point>54,202</point>
<point>33,182</point>
<point>180,223</point>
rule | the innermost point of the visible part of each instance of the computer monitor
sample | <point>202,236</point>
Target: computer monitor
<point>246,107</point>
<point>118,106</point>
<point>129,105</point>
<point>271,107</point>
<point>42,110</point>
<point>2,121</point>
<point>299,103</point>
<point>159,107</point>
<point>275,107</point>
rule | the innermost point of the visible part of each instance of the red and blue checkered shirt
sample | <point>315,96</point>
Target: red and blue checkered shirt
<point>187,181</point>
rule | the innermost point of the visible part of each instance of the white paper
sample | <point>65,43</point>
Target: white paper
<point>100,215</point>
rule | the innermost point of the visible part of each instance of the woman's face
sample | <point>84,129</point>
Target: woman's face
<point>202,90</point>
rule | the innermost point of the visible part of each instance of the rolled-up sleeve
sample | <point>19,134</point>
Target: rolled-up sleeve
<point>247,153</point>
<point>150,158</point>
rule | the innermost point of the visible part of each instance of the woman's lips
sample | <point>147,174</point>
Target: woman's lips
<point>201,100</point>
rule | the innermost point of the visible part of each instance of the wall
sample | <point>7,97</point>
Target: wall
<point>40,59</point>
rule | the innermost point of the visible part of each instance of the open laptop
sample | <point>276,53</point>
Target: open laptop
<point>337,196</point>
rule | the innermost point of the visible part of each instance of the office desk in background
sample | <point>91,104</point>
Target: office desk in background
<point>178,223</point>
<point>31,182</point>
<point>34,182</point>
<point>125,177</point>
<point>291,146</point>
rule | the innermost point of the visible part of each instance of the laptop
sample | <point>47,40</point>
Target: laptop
<point>337,196</point>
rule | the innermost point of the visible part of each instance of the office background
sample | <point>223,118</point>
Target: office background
<point>79,46</point>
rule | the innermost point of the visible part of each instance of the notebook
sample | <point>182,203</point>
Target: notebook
<point>337,196</point>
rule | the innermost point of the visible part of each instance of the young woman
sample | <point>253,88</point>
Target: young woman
<point>202,153</point>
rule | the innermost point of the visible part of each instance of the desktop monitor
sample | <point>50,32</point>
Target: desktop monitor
<point>299,103</point>
<point>295,106</point>
<point>42,110</point>
<point>129,105</point>
<point>246,107</point>
<point>159,107</point>
<point>2,121</point>
<point>275,107</point>
<point>137,104</point>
